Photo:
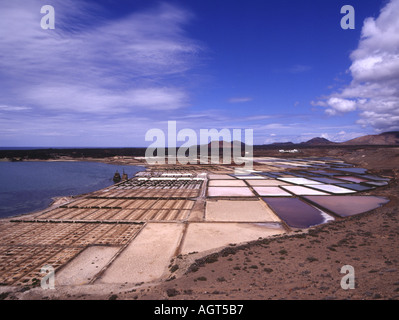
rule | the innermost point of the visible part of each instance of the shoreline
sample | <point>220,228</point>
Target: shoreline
<point>57,200</point>
<point>130,162</point>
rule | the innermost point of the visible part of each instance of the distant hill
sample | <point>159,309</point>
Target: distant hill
<point>225,144</point>
<point>312,142</point>
<point>318,142</point>
<point>282,144</point>
<point>386,138</point>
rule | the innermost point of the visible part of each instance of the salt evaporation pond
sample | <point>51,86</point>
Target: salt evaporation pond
<point>296,213</point>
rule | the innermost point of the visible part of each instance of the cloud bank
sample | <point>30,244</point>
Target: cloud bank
<point>374,89</point>
<point>103,67</point>
<point>91,64</point>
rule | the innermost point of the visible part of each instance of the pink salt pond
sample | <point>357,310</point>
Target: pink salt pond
<point>344,206</point>
<point>296,213</point>
<point>230,192</point>
<point>351,179</point>
<point>271,192</point>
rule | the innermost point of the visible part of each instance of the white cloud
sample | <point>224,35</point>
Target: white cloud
<point>320,103</point>
<point>240,99</point>
<point>88,99</point>
<point>93,80</point>
<point>337,105</point>
<point>274,126</point>
<point>345,136</point>
<point>258,117</point>
<point>374,90</point>
<point>13,108</point>
<point>92,64</point>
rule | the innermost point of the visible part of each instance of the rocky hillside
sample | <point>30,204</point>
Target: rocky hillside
<point>386,138</point>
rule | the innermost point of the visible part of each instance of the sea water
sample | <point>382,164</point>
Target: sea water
<point>29,186</point>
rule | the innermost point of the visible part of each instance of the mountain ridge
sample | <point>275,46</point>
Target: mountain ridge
<point>385,138</point>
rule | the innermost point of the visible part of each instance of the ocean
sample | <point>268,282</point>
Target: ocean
<point>30,186</point>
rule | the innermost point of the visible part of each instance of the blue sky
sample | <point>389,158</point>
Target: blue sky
<point>112,70</point>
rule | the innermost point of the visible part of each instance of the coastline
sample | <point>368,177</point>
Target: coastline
<point>56,202</point>
<point>128,161</point>
<point>62,200</point>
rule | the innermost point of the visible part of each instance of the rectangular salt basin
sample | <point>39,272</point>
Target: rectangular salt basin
<point>351,179</point>
<point>355,186</point>
<point>268,175</point>
<point>326,180</point>
<point>276,173</point>
<point>267,183</point>
<point>302,191</point>
<point>85,266</point>
<point>271,192</point>
<point>229,192</point>
<point>202,236</point>
<point>220,176</point>
<point>239,211</point>
<point>377,183</point>
<point>372,177</point>
<point>353,170</point>
<point>296,213</point>
<point>325,173</point>
<point>302,174</point>
<point>147,257</point>
<point>331,188</point>
<point>348,205</point>
<point>251,177</point>
<point>227,183</point>
<point>299,180</point>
